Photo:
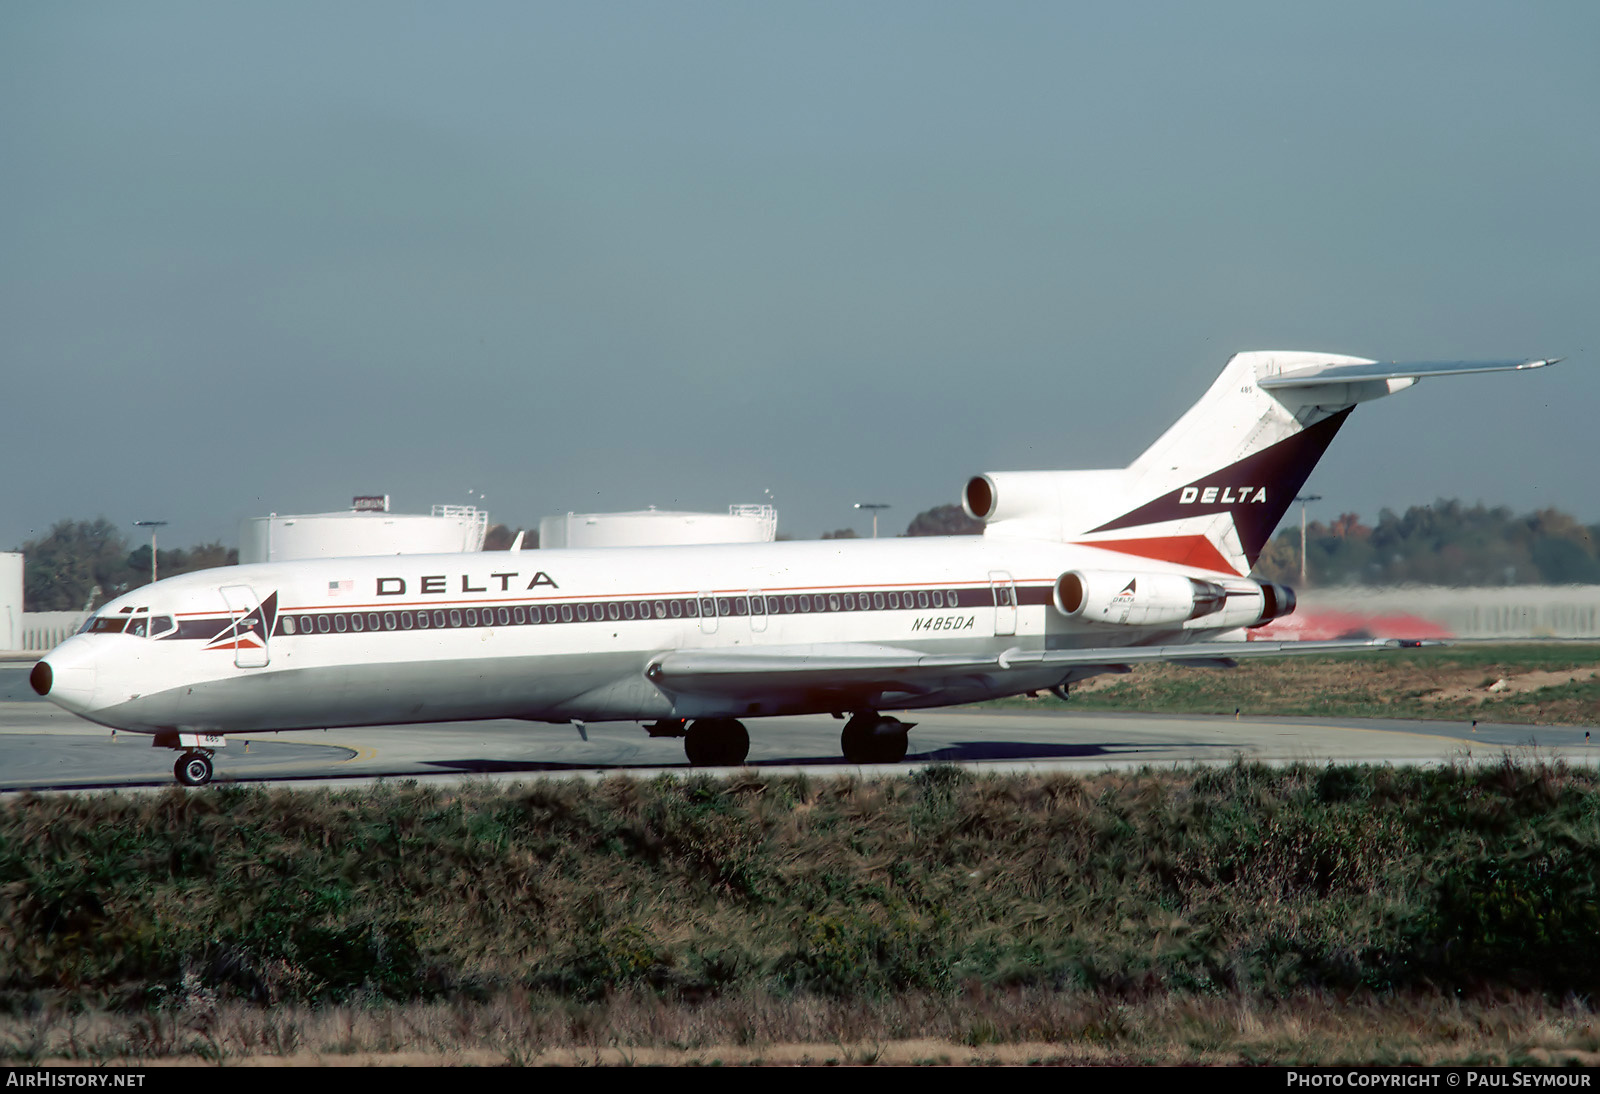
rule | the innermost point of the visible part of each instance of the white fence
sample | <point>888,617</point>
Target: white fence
<point>43,631</point>
<point>1512,611</point>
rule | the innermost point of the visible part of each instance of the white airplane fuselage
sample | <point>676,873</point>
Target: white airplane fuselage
<point>571,635</point>
<point>1076,573</point>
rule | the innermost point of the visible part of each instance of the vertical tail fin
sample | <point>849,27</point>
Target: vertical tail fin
<point>1211,490</point>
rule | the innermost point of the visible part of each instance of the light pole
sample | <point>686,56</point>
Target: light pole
<point>874,506</point>
<point>152,525</point>
<point>1302,499</point>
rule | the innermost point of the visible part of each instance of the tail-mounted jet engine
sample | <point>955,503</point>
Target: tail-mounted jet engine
<point>1134,600</point>
<point>1276,600</point>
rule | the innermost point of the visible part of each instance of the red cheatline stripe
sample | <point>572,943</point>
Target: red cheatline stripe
<point>1183,550</point>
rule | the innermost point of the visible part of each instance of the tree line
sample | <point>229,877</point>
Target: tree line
<point>81,564</point>
<point>1446,543</point>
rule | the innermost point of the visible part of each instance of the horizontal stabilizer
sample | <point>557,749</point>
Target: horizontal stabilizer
<point>1389,370</point>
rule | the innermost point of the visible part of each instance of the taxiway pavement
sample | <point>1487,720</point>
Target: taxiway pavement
<point>45,748</point>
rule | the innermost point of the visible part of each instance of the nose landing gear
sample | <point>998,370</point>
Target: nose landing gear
<point>193,768</point>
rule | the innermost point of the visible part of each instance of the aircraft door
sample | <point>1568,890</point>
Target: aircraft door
<point>708,613</point>
<point>251,626</point>
<point>758,611</point>
<point>1004,591</point>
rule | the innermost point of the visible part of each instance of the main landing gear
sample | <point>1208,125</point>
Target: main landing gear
<point>716,742</point>
<point>870,738</point>
<point>193,768</point>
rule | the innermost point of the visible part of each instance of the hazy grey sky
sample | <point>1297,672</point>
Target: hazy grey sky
<point>599,256</point>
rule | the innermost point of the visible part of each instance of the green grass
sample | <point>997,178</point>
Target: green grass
<point>1248,879</point>
<point>997,909</point>
<point>1409,684</point>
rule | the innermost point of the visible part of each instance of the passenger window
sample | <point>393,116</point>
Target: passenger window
<point>894,600</point>
<point>757,606</point>
<point>805,603</point>
<point>708,607</point>
<point>774,605</point>
<point>438,618</point>
<point>922,600</point>
<point>849,602</point>
<point>341,624</point>
<point>937,597</point>
<point>504,615</point>
<point>741,606</point>
<point>455,617</point>
<point>372,621</point>
<point>877,601</point>
<point>520,615</point>
<point>833,602</point>
<point>614,610</point>
<point>550,613</point>
<point>324,624</point>
<point>566,613</point>
<point>356,622</point>
<point>405,621</point>
<point>288,624</point>
<point>583,613</point>
<point>472,617</point>
<point>388,621</point>
<point>691,608</point>
<point>661,609</point>
<point>628,610</point>
<point>788,604</point>
<point>676,608</point>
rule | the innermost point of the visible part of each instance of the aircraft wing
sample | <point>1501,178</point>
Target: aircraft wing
<point>1390,370</point>
<point>848,667</point>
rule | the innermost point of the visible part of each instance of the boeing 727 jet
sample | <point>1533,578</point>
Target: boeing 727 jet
<point>1077,573</point>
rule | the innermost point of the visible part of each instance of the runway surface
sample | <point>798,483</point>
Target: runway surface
<point>43,747</point>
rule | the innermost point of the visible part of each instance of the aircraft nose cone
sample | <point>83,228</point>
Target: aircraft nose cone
<point>67,679</point>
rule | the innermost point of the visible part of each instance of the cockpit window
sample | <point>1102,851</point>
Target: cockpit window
<point>107,625</point>
<point>160,625</point>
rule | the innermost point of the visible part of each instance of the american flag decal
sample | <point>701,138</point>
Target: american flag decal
<point>338,588</point>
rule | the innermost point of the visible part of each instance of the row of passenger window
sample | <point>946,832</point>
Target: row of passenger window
<point>620,610</point>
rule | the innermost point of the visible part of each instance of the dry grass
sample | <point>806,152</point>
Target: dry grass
<point>1015,1027</point>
